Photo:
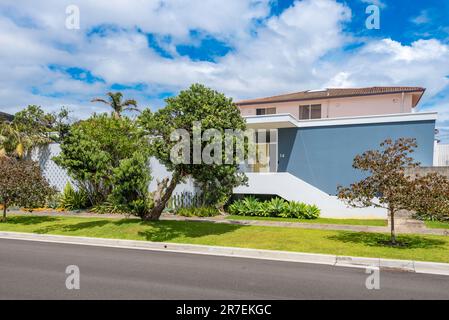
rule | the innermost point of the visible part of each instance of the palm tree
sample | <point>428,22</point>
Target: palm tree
<point>115,101</point>
<point>12,141</point>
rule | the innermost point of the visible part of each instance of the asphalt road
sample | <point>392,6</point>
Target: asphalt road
<point>36,270</point>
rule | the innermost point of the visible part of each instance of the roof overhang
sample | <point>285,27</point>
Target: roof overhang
<point>286,120</point>
<point>272,121</point>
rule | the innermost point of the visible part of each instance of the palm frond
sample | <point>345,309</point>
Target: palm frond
<point>100,100</point>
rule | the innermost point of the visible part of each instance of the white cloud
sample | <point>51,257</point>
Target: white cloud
<point>378,3</point>
<point>302,48</point>
<point>422,18</point>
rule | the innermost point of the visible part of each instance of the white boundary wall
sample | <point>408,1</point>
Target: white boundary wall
<point>58,177</point>
<point>441,155</point>
<point>291,188</point>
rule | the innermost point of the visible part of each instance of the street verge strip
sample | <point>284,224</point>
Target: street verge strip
<point>339,261</point>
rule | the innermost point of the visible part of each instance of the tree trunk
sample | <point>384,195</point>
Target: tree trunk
<point>4,212</point>
<point>393,232</point>
<point>162,197</point>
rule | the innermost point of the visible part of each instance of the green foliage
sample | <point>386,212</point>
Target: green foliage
<point>237,208</point>
<point>130,182</point>
<point>22,184</point>
<point>198,212</point>
<point>294,209</point>
<point>54,201</point>
<point>251,207</point>
<point>31,127</point>
<point>276,207</point>
<point>94,148</point>
<point>108,208</point>
<point>72,199</point>
<point>311,212</point>
<point>213,110</point>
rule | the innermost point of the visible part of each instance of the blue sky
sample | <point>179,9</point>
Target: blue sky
<point>246,48</point>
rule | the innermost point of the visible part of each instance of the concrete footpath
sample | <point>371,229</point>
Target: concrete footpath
<point>333,260</point>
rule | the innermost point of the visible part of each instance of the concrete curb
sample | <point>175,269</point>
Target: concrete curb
<point>339,261</point>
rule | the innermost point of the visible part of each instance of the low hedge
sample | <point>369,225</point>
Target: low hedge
<point>198,212</point>
<point>275,207</point>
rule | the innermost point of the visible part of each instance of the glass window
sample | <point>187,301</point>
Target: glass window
<point>260,112</point>
<point>315,111</point>
<point>263,111</point>
<point>304,112</point>
<point>270,111</point>
<point>307,112</point>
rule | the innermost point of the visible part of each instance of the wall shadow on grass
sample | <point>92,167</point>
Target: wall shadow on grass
<point>29,220</point>
<point>168,230</point>
<point>381,240</point>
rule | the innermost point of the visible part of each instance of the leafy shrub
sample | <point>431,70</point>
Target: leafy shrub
<point>54,201</point>
<point>237,207</point>
<point>130,181</point>
<point>198,212</point>
<point>22,184</point>
<point>294,209</point>
<point>135,207</point>
<point>275,207</point>
<point>93,152</point>
<point>251,207</point>
<point>72,199</point>
<point>311,212</point>
<point>108,208</point>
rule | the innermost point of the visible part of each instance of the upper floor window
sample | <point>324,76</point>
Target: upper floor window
<point>310,111</point>
<point>263,111</point>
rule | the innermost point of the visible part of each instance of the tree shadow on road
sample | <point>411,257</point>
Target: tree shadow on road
<point>382,240</point>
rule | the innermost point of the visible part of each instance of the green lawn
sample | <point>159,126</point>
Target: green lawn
<point>437,224</point>
<point>426,248</point>
<point>357,222</point>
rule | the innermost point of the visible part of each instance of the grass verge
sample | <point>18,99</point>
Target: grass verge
<point>419,247</point>
<point>437,224</point>
<point>355,222</point>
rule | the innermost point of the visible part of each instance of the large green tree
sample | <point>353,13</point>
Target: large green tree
<point>93,150</point>
<point>209,109</point>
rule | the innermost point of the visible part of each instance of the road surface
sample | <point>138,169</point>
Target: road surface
<point>36,270</point>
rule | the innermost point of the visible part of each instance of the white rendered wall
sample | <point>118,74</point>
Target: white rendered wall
<point>291,188</point>
<point>58,177</point>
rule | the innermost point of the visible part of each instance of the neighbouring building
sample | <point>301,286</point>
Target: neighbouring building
<point>5,116</point>
<point>316,135</point>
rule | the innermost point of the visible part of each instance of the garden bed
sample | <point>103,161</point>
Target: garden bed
<point>355,222</point>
